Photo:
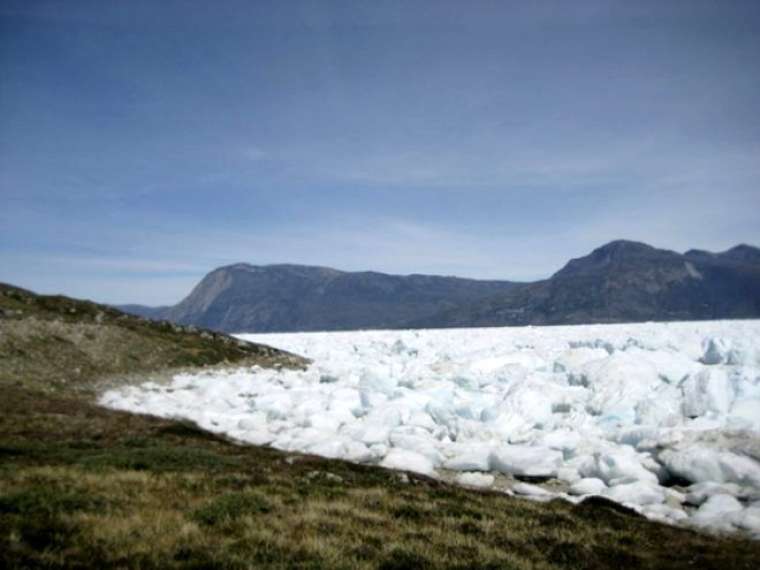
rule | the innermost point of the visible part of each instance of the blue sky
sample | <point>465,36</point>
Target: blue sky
<point>144,143</point>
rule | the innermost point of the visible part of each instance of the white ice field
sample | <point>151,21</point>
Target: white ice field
<point>662,417</point>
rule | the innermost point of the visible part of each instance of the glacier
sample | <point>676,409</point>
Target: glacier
<point>661,417</point>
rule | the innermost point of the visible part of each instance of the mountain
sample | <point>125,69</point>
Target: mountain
<point>245,297</point>
<point>625,281</point>
<point>156,313</point>
<point>622,281</point>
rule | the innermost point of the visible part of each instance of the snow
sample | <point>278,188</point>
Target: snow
<point>621,411</point>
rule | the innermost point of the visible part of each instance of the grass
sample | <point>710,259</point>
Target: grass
<point>52,343</point>
<point>227,508</point>
<point>82,486</point>
<point>86,487</point>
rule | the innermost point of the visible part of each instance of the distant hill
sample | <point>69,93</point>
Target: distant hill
<point>622,281</point>
<point>245,297</point>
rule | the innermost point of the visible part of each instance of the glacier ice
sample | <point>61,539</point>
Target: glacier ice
<point>662,417</point>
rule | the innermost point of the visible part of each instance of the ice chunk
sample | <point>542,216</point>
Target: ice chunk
<point>562,439</point>
<point>421,419</point>
<point>568,474</point>
<point>530,400</point>
<point>417,443</point>
<point>587,486</point>
<point>700,463</point>
<point>715,351</point>
<point>276,405</point>
<point>638,493</point>
<point>400,347</point>
<point>662,408</point>
<point>531,490</point>
<point>345,399</point>
<point>746,413</point>
<point>672,366</point>
<point>253,422</point>
<point>406,460</point>
<point>335,449</point>
<point>475,479</point>
<point>700,492</point>
<point>526,460</point>
<point>477,458</point>
<point>377,380</point>
<point>707,391</point>
<point>748,519</point>
<point>616,467</point>
<point>618,383</point>
<point>573,359</point>
<point>443,414</point>
<point>357,451</point>
<point>714,511</point>
<point>665,513</point>
<point>255,437</point>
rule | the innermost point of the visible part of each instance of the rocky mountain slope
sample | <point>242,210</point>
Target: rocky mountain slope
<point>626,281</point>
<point>246,297</point>
<point>622,281</point>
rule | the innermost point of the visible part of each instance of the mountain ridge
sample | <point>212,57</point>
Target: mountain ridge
<point>621,281</point>
<point>625,281</point>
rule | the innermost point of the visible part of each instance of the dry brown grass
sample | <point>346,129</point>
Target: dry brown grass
<point>138,492</point>
<point>85,487</point>
<point>57,344</point>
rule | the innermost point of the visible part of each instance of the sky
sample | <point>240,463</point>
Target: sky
<point>144,143</point>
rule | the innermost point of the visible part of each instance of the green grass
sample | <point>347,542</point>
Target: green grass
<point>85,487</point>
<point>48,501</point>
<point>231,506</point>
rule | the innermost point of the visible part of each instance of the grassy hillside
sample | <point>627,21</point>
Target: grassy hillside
<point>85,487</point>
<point>54,343</point>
